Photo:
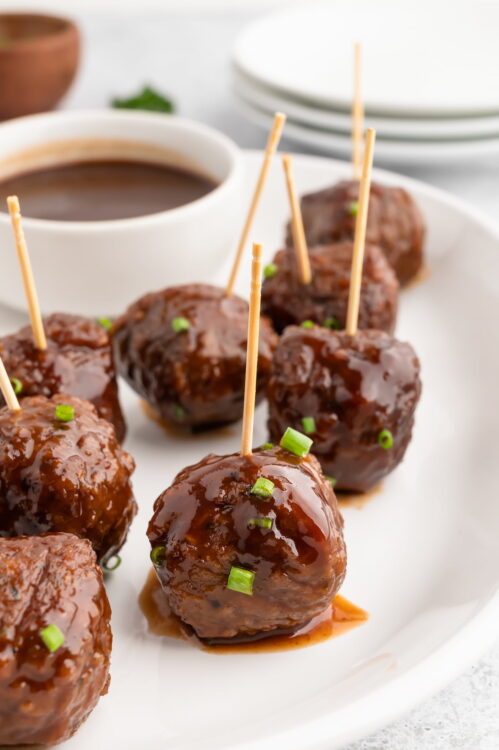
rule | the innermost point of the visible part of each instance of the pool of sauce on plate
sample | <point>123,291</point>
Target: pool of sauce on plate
<point>178,432</point>
<point>103,190</point>
<point>357,499</point>
<point>340,617</point>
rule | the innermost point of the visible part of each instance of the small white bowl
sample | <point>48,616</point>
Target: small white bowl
<point>99,267</point>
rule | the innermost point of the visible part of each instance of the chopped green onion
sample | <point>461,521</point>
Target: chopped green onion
<point>263,487</point>
<point>308,425</point>
<point>331,479</point>
<point>64,413</point>
<point>332,323</point>
<point>262,522</point>
<point>270,270</point>
<point>294,442</point>
<point>52,637</point>
<point>266,446</point>
<point>307,324</point>
<point>179,412</point>
<point>17,385</point>
<point>112,563</point>
<point>180,324</point>
<point>105,323</point>
<point>353,208</point>
<point>385,439</point>
<point>158,555</point>
<point>241,580</point>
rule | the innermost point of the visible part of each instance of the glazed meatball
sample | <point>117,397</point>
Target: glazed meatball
<point>361,392</point>
<point>183,350</point>
<point>289,542</point>
<point>287,301</point>
<point>58,475</point>
<point>394,222</point>
<point>78,360</point>
<point>50,583</point>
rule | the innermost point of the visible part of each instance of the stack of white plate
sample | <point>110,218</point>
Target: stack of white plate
<point>430,75</point>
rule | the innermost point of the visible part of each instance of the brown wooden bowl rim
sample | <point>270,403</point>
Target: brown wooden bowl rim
<point>48,39</point>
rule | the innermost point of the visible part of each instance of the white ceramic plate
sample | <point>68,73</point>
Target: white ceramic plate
<point>389,152</point>
<point>423,554</point>
<point>424,59</point>
<point>338,121</point>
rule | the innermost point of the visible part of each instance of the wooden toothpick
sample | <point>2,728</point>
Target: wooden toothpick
<point>7,389</point>
<point>27,273</point>
<point>252,351</point>
<point>360,236</point>
<point>357,113</point>
<point>272,143</point>
<point>299,239</point>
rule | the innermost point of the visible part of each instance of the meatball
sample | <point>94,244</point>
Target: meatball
<point>183,349</point>
<point>287,301</point>
<point>361,392</point>
<point>78,360</point>
<point>210,523</point>
<point>394,222</point>
<point>48,690</point>
<point>58,475</point>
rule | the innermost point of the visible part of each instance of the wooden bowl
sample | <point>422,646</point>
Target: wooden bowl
<point>39,57</point>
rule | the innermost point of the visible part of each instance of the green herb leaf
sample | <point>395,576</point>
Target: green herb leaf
<point>147,99</point>
<point>270,270</point>
<point>308,425</point>
<point>105,323</point>
<point>353,208</point>
<point>307,324</point>
<point>112,563</point>
<point>331,479</point>
<point>332,323</point>
<point>17,385</point>
<point>385,439</point>
<point>180,324</point>
<point>266,446</point>
<point>157,555</point>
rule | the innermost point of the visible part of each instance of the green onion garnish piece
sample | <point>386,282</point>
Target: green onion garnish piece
<point>266,446</point>
<point>332,323</point>
<point>385,439</point>
<point>331,479</point>
<point>105,323</point>
<point>158,555</point>
<point>17,385</point>
<point>113,563</point>
<point>307,324</point>
<point>295,442</point>
<point>241,580</point>
<point>180,324</point>
<point>64,413</point>
<point>263,487</point>
<point>308,425</point>
<point>179,412</point>
<point>270,270</point>
<point>353,208</point>
<point>52,637</point>
<point>261,522</point>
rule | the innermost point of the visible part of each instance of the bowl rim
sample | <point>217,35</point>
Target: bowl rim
<point>164,218</point>
<point>26,45</point>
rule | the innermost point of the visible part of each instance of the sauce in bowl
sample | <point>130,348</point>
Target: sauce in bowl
<point>104,190</point>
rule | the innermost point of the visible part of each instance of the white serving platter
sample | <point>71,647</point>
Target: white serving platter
<point>423,552</point>
<point>425,59</point>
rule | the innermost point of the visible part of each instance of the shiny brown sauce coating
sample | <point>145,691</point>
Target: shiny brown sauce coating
<point>287,301</point>
<point>64,476</point>
<point>78,360</point>
<point>203,522</point>
<point>194,377</point>
<point>353,387</point>
<point>50,580</point>
<point>394,222</point>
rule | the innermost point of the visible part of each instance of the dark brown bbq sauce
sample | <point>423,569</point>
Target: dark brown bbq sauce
<point>104,190</point>
<point>340,617</point>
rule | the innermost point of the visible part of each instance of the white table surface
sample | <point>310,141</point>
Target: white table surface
<point>186,54</point>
